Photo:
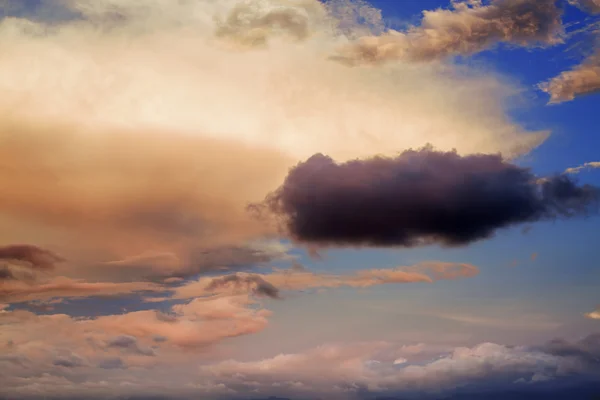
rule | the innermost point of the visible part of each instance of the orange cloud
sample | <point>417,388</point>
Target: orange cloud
<point>299,279</point>
<point>466,30</point>
<point>581,80</point>
<point>16,291</point>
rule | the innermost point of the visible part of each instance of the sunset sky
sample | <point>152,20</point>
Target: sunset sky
<point>341,199</point>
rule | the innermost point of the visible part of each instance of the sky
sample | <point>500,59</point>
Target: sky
<point>299,199</point>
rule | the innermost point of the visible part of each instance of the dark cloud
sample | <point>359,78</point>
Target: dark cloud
<point>112,363</point>
<point>466,30</point>
<point>260,286</point>
<point>33,256</point>
<point>586,351</point>
<point>6,273</point>
<point>131,344</point>
<point>419,197</point>
<point>71,361</point>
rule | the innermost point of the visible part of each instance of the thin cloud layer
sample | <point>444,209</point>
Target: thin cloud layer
<point>465,30</point>
<point>296,279</point>
<point>585,166</point>
<point>591,6</point>
<point>417,198</point>
<point>18,291</point>
<point>168,265</point>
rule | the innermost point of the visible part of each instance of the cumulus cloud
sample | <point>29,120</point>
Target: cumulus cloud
<point>467,29</point>
<point>249,24</point>
<point>583,79</point>
<point>419,197</point>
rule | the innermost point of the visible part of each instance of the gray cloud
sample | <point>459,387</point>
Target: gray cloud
<point>259,285</point>
<point>112,363</point>
<point>468,29</point>
<point>131,344</point>
<point>33,256</point>
<point>419,197</point>
<point>71,361</point>
<point>6,273</point>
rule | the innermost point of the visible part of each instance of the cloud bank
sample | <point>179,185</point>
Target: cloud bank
<point>76,361</point>
<point>417,198</point>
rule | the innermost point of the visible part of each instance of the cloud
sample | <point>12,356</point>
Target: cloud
<point>360,371</point>
<point>14,291</point>
<point>583,79</point>
<point>249,24</point>
<point>169,265</point>
<point>200,324</point>
<point>130,343</point>
<point>594,314</point>
<point>29,255</point>
<point>296,279</point>
<point>60,356</point>
<point>587,165</point>
<point>417,198</point>
<point>6,274</point>
<point>465,30</point>
<point>586,351</point>
<point>591,6</point>
<point>134,145</point>
<point>260,286</point>
<point>129,192</point>
<point>70,361</point>
<point>112,363</point>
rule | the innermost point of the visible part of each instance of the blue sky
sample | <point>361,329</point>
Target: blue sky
<point>135,137</point>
